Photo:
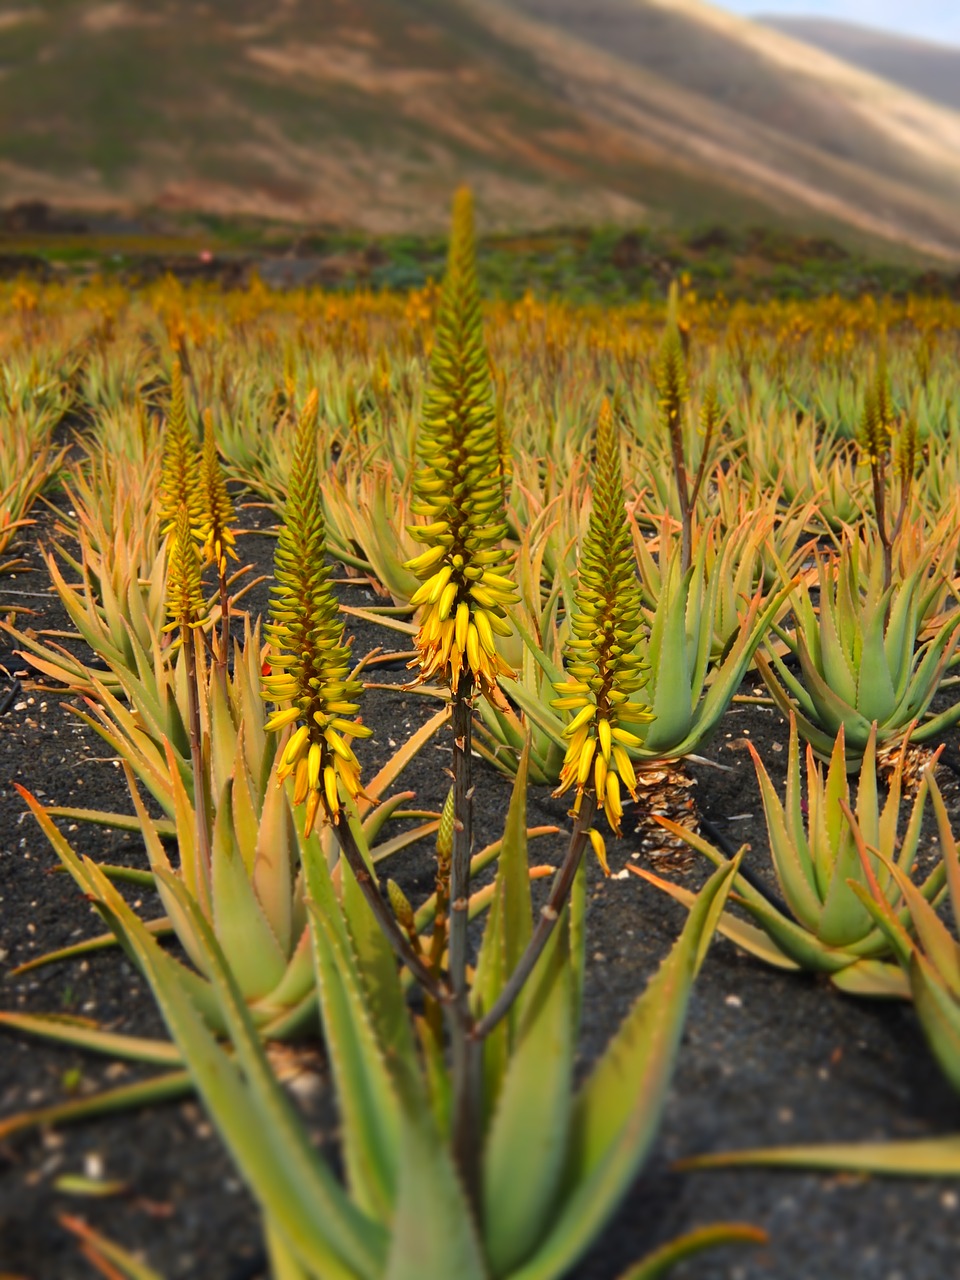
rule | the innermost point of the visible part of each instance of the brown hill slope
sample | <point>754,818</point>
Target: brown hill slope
<point>367,112</point>
<point>924,67</point>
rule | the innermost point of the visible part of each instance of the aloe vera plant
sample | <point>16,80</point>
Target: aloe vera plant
<point>864,656</point>
<point>924,945</point>
<point>555,1159</point>
<point>688,694</point>
<point>823,859</point>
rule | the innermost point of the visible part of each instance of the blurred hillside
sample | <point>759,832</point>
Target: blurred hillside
<point>365,113</point>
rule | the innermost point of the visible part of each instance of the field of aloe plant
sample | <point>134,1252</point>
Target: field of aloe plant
<point>479,790</point>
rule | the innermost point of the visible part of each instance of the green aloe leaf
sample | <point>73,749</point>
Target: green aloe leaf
<point>366,1091</point>
<point>746,936</point>
<point>527,1140</point>
<point>508,929</point>
<point>938,1009</point>
<point>664,1259</point>
<point>254,1117</point>
<point>250,945</point>
<point>616,1112</point>
<point>86,1035</point>
<point>922,1157</point>
<point>144,1093</point>
<point>432,1232</point>
<point>159,927</point>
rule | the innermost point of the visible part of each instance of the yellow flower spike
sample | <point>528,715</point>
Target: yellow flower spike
<point>485,631</point>
<point>307,644</point>
<point>338,746</point>
<point>458,490</point>
<point>603,675</point>
<point>599,848</point>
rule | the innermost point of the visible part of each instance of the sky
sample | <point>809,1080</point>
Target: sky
<point>931,19</point>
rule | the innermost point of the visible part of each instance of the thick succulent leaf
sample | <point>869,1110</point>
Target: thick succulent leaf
<point>873,978</point>
<point>875,691</point>
<point>84,1034</point>
<point>104,818</point>
<point>802,946</point>
<point>663,1260</point>
<point>923,1157</point>
<point>273,870</point>
<point>253,1115</point>
<point>432,1232</point>
<point>671,680</point>
<point>843,921</point>
<point>791,861</point>
<point>250,945</point>
<point>145,1093</point>
<point>835,664</point>
<point>377,971</point>
<point>938,1009</point>
<point>797,702</point>
<point>284,1263</point>
<point>616,1112</point>
<point>527,1140</point>
<point>159,927</point>
<point>510,921</point>
<point>948,845</point>
<point>366,1091</point>
<point>746,936</point>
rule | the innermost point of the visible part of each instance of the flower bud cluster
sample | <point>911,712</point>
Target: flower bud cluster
<point>601,663</point>
<point>310,672</point>
<point>464,592</point>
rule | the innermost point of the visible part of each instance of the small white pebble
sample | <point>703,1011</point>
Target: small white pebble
<point>734,1002</point>
<point>93,1166</point>
<point>950,1199</point>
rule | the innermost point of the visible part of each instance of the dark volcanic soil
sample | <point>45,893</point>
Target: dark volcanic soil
<point>766,1057</point>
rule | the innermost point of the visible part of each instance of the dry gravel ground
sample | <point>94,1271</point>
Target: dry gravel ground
<point>766,1057</point>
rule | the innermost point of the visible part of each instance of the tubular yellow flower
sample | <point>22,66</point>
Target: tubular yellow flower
<point>458,489</point>
<point>603,673</point>
<point>309,660</point>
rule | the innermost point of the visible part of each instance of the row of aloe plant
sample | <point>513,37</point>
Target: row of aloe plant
<point>468,1149</point>
<point>423,1098</point>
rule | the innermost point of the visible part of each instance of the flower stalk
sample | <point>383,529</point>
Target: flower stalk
<point>186,610</point>
<point>464,594</point>
<point>217,515</point>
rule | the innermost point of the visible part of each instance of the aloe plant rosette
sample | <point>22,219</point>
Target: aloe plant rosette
<point>863,656</point>
<point>824,854</point>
